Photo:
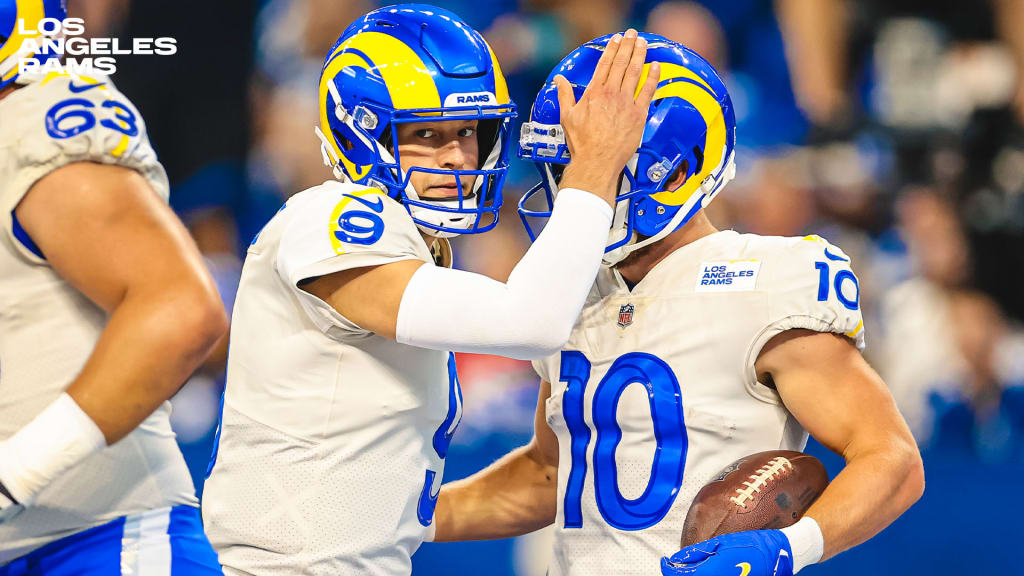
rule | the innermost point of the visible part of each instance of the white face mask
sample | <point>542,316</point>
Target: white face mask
<point>449,220</point>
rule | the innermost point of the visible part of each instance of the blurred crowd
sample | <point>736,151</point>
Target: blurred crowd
<point>893,128</point>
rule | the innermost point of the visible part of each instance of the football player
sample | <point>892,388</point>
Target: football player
<point>105,309</point>
<point>695,347</point>
<point>342,395</point>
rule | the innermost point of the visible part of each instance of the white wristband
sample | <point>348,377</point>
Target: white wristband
<point>806,542</point>
<point>57,439</point>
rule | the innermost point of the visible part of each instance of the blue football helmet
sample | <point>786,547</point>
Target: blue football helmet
<point>416,63</point>
<point>690,127</point>
<point>12,40</point>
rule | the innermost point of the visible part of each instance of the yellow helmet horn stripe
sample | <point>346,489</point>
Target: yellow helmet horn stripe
<point>332,70</point>
<point>409,83</point>
<point>31,12</point>
<point>500,87</point>
<point>714,139</point>
<point>670,71</point>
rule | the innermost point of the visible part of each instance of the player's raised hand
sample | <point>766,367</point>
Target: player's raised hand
<point>753,553</point>
<point>604,129</point>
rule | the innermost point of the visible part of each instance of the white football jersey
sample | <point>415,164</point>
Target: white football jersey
<point>656,390</point>
<point>48,329</point>
<point>333,438</point>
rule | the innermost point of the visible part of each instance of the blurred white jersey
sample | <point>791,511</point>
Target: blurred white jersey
<point>48,329</point>
<point>333,438</point>
<point>656,390</point>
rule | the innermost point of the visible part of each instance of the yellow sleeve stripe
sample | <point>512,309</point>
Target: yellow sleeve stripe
<point>121,146</point>
<point>336,213</point>
<point>853,333</point>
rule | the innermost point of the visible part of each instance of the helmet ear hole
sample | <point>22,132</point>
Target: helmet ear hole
<point>699,155</point>
<point>345,143</point>
<point>679,176</point>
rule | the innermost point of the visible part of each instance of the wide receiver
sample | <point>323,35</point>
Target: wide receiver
<point>105,309</point>
<point>695,347</point>
<point>342,396</point>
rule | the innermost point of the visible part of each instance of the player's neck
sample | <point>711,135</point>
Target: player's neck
<point>440,249</point>
<point>428,239</point>
<point>637,265</point>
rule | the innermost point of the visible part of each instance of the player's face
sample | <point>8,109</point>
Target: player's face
<point>449,145</point>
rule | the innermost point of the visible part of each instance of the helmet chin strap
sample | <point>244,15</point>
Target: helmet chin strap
<point>331,159</point>
<point>709,189</point>
<point>620,225</point>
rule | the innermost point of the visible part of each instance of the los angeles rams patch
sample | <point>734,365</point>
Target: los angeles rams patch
<point>728,276</point>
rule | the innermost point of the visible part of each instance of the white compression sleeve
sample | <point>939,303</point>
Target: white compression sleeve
<point>529,317</point>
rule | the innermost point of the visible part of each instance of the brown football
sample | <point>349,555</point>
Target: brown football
<point>762,491</point>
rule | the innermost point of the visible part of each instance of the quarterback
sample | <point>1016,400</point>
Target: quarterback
<point>342,395</point>
<point>105,309</point>
<point>695,347</point>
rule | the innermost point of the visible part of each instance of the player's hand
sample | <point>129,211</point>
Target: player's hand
<point>604,129</point>
<point>753,553</point>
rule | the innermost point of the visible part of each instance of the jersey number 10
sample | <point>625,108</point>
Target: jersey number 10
<point>669,431</point>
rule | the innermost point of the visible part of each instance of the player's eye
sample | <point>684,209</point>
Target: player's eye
<point>425,133</point>
<point>467,132</point>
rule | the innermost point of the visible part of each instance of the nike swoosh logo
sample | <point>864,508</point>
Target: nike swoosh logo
<point>377,206</point>
<point>744,568</point>
<point>832,256</point>
<point>428,500</point>
<point>83,88</point>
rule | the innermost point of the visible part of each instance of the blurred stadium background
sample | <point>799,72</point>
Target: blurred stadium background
<point>894,128</point>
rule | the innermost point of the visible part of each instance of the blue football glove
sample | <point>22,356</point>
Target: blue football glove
<point>753,553</point>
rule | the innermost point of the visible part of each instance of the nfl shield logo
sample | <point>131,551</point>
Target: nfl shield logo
<point>625,315</point>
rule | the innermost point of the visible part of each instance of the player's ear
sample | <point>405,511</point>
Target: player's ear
<point>678,177</point>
